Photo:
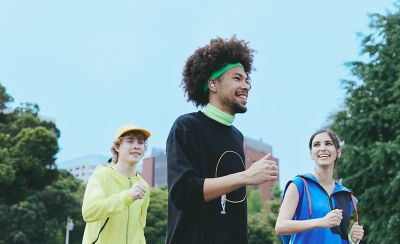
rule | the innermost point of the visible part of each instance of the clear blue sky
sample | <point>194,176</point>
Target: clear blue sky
<point>96,65</point>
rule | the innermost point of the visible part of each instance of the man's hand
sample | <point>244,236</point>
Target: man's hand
<point>138,191</point>
<point>262,170</point>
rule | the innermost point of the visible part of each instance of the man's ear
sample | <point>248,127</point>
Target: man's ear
<point>211,85</point>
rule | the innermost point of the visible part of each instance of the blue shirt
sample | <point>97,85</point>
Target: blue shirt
<point>321,204</point>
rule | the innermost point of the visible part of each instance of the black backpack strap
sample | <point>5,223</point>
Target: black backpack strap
<point>104,225</point>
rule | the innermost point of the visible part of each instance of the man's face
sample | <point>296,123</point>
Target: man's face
<point>131,149</point>
<point>232,90</point>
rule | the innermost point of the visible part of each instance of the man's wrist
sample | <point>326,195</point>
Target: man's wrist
<point>243,178</point>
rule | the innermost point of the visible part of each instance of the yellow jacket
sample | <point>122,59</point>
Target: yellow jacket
<point>107,195</point>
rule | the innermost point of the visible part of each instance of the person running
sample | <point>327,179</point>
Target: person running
<point>315,207</point>
<point>116,196</point>
<point>207,175</point>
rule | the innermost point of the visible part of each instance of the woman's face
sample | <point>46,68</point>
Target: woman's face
<point>323,151</point>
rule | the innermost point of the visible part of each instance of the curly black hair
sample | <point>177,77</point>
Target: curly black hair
<point>206,60</point>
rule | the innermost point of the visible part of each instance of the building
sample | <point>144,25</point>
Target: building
<point>253,151</point>
<point>155,166</point>
<point>83,167</point>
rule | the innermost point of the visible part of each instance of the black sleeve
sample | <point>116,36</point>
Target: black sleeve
<point>185,183</point>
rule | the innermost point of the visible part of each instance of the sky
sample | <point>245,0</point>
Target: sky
<point>93,66</point>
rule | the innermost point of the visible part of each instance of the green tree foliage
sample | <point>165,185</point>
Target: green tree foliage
<point>255,203</point>
<point>4,98</point>
<point>35,198</point>
<point>41,217</point>
<point>369,124</point>
<point>260,230</point>
<point>261,223</point>
<point>156,226</point>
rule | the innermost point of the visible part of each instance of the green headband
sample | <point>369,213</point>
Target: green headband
<point>220,72</point>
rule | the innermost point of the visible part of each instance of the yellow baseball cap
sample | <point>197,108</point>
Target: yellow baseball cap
<point>128,128</point>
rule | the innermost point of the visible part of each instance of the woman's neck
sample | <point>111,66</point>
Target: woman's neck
<point>324,175</point>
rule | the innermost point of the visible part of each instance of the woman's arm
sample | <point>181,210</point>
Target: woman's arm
<point>285,225</point>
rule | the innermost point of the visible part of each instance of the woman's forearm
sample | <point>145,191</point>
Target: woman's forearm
<point>288,227</point>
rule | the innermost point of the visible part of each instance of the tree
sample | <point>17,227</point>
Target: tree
<point>156,226</point>
<point>369,124</point>
<point>41,217</point>
<point>4,98</point>
<point>35,197</point>
<point>261,223</point>
<point>260,230</point>
<point>255,203</point>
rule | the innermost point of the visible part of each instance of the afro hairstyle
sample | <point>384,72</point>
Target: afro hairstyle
<point>206,60</point>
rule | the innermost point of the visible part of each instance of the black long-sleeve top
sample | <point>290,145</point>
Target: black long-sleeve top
<point>199,147</point>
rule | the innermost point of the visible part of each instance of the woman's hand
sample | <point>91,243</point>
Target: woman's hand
<point>356,232</point>
<point>332,219</point>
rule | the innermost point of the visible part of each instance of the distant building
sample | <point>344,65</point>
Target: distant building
<point>155,166</point>
<point>83,167</point>
<point>255,150</point>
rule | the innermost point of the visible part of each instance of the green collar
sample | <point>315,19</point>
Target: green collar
<point>216,114</point>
